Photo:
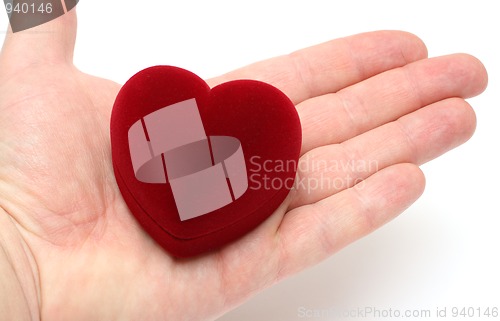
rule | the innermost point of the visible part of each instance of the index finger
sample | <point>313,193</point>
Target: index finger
<point>333,65</point>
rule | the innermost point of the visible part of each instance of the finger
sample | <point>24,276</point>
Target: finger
<point>311,233</point>
<point>333,65</point>
<point>49,43</point>
<point>415,138</point>
<point>334,118</point>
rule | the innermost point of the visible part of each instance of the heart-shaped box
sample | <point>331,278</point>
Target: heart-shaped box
<point>165,101</point>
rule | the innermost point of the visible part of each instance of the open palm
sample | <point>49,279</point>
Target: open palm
<point>79,254</point>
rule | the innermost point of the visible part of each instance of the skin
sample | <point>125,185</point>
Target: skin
<point>71,250</point>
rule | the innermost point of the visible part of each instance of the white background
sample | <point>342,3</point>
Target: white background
<point>443,251</point>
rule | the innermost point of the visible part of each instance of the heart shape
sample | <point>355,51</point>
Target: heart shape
<point>24,14</point>
<point>251,113</point>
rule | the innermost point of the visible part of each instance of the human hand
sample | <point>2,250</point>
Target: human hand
<point>75,252</point>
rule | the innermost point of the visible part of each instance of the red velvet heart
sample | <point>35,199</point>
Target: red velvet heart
<point>259,115</point>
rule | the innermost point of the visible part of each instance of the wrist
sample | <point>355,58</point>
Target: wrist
<point>19,284</point>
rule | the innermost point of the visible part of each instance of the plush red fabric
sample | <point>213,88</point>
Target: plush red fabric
<point>258,114</point>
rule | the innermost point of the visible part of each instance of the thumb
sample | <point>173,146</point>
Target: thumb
<point>52,42</point>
